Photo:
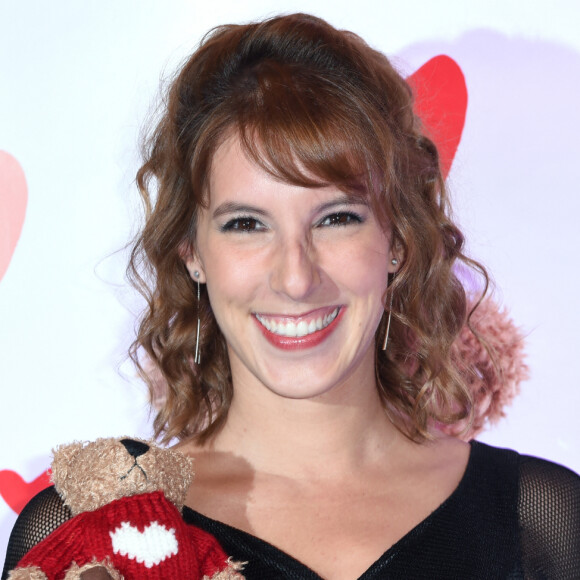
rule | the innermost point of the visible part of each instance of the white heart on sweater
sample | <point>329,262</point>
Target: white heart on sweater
<point>149,547</point>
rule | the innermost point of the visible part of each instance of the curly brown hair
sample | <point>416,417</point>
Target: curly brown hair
<point>311,105</point>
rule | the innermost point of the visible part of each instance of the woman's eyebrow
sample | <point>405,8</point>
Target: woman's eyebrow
<point>342,200</point>
<point>228,207</point>
<point>233,207</point>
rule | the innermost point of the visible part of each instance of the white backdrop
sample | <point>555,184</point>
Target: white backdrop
<point>77,80</point>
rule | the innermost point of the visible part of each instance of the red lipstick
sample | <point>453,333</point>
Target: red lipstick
<point>300,342</point>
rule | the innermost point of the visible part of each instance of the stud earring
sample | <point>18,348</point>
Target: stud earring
<point>197,358</point>
<point>394,262</point>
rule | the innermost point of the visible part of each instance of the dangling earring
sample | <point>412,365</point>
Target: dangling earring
<point>197,358</point>
<point>394,262</point>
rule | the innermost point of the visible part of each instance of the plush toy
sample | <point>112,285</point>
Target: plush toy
<point>125,496</point>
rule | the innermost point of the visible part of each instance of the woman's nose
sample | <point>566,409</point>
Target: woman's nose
<point>295,270</point>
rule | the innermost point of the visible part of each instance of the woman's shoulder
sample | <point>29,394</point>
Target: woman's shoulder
<point>549,516</point>
<point>537,472</point>
<point>533,472</point>
<point>547,508</point>
<point>549,502</point>
<point>44,513</point>
<point>537,479</point>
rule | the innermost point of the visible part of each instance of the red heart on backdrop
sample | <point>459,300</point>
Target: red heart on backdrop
<point>441,103</point>
<point>13,198</point>
<point>16,492</point>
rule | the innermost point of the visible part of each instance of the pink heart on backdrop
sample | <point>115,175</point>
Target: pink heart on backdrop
<point>441,103</point>
<point>16,492</point>
<point>13,198</point>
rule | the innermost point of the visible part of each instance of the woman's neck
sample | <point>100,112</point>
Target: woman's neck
<point>285,436</point>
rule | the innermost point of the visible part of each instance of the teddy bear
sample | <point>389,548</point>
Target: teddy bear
<point>125,496</point>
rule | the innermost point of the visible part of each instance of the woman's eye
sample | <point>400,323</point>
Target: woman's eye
<point>242,224</point>
<point>341,219</point>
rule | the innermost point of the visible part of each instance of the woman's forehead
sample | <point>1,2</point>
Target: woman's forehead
<point>240,153</point>
<point>236,175</point>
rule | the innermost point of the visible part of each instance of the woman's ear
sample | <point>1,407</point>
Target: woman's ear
<point>396,256</point>
<point>195,270</point>
<point>193,263</point>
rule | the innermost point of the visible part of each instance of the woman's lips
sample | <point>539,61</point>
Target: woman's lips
<point>298,326</point>
<point>296,332</point>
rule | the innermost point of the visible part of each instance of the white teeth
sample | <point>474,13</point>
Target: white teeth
<point>303,328</point>
<point>289,329</point>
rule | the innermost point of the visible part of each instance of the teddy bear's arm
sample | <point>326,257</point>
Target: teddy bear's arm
<point>87,572</point>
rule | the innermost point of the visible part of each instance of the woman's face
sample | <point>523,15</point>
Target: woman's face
<point>295,278</point>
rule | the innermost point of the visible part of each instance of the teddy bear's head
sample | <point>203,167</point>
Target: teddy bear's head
<point>90,475</point>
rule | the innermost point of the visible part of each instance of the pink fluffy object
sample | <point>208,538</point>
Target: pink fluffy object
<point>493,382</point>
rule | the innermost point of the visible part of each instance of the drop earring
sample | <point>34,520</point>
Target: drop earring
<point>386,341</point>
<point>197,358</point>
<point>394,262</point>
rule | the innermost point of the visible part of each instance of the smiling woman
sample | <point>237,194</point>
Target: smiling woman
<point>298,259</point>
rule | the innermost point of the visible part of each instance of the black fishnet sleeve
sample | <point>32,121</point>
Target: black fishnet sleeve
<point>549,513</point>
<point>41,515</point>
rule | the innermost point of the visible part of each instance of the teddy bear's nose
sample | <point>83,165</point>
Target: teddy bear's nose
<point>135,448</point>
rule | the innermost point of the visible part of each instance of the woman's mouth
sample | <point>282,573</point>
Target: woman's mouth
<point>293,329</point>
<point>304,331</point>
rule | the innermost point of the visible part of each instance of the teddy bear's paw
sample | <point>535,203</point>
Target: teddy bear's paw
<point>30,573</point>
<point>93,571</point>
<point>232,572</point>
<point>228,574</point>
<point>98,573</point>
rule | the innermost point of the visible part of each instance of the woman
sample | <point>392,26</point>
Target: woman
<point>298,260</point>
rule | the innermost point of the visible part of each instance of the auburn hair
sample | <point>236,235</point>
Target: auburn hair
<point>311,105</point>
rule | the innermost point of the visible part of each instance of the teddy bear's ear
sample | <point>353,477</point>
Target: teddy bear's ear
<point>62,461</point>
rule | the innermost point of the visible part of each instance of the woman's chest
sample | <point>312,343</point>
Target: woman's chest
<point>337,532</point>
<point>339,540</point>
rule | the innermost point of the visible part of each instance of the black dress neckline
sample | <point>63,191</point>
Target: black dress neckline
<point>294,568</point>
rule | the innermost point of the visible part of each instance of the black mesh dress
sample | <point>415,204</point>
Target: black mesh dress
<point>511,517</point>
